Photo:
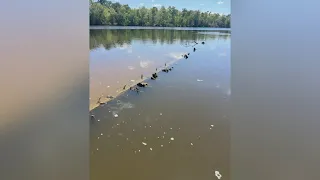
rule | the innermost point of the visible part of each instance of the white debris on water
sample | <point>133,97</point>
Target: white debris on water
<point>199,80</point>
<point>162,137</point>
<point>144,143</point>
<point>132,80</point>
<point>158,137</point>
<point>172,139</point>
<point>98,120</point>
<point>98,137</point>
<point>177,55</point>
<point>164,133</point>
<point>161,145</point>
<point>170,128</point>
<point>133,130</point>
<point>150,126</point>
<point>123,105</point>
<point>217,174</point>
<point>139,150</point>
<point>160,114</point>
<point>116,115</point>
<point>150,149</point>
<point>118,124</point>
<point>101,134</point>
<point>97,149</point>
<point>108,86</point>
<point>145,64</point>
<point>212,125</point>
<point>191,144</point>
<point>210,128</point>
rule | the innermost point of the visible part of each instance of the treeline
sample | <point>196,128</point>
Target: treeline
<point>116,38</point>
<point>105,12</point>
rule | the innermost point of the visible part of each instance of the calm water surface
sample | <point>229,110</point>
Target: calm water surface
<point>175,129</point>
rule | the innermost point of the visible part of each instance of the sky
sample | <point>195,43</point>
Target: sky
<point>218,6</point>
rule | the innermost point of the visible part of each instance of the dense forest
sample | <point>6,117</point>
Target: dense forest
<point>105,12</point>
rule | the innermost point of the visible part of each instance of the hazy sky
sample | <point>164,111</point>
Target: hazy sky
<point>219,6</point>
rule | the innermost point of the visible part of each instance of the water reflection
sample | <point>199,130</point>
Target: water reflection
<point>113,38</point>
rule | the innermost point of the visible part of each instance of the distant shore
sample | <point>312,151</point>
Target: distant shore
<point>157,27</point>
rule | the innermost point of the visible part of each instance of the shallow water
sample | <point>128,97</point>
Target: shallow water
<point>182,117</point>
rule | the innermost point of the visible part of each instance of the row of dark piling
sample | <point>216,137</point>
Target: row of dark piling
<point>153,77</point>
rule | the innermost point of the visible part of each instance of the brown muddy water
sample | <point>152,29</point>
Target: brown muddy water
<point>177,128</point>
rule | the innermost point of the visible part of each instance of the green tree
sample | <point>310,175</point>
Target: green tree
<point>104,12</point>
<point>105,3</point>
<point>154,12</point>
<point>99,15</point>
<point>163,16</point>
